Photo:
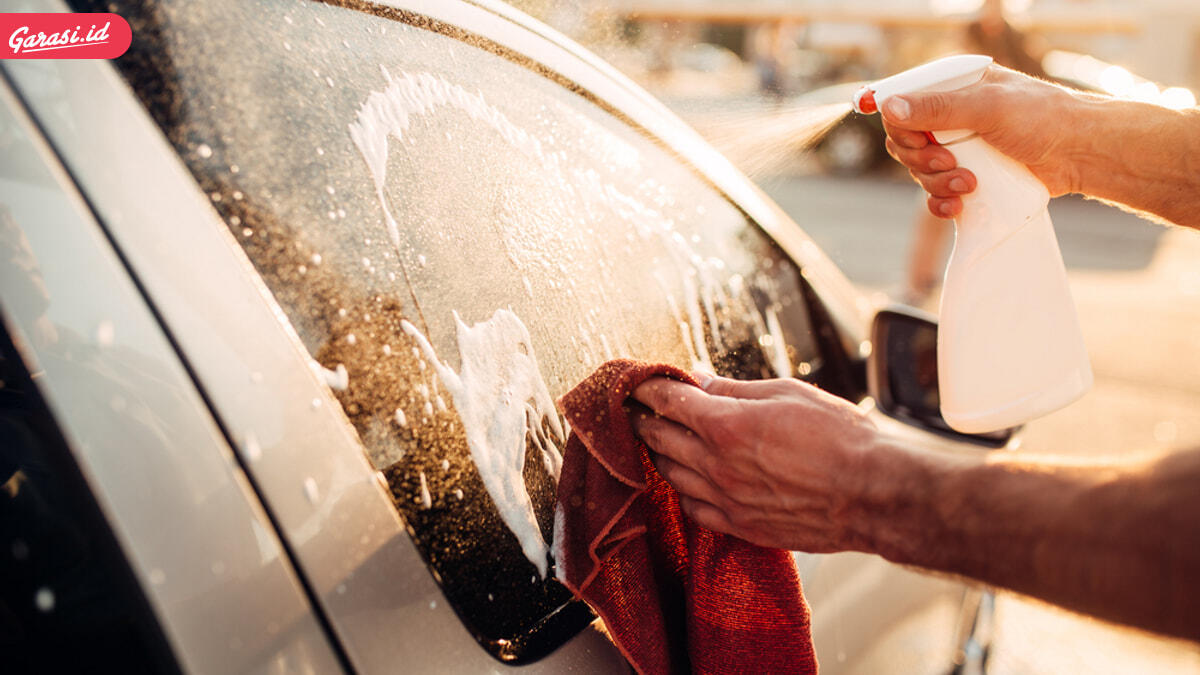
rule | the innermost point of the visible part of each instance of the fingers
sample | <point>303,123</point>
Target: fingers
<point>946,184</point>
<point>934,167</point>
<point>686,481</point>
<point>950,207</point>
<point>927,157</point>
<point>667,438</point>
<point>906,138</point>
<point>723,386</point>
<point>930,111</point>
<point>675,400</point>
<point>706,515</point>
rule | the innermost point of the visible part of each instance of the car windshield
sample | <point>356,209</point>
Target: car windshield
<point>457,238</point>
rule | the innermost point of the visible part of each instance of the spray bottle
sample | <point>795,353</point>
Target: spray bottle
<point>1009,344</point>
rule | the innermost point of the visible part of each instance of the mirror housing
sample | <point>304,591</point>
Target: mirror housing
<point>902,374</point>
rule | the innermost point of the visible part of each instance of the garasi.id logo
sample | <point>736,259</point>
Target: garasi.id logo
<point>63,36</point>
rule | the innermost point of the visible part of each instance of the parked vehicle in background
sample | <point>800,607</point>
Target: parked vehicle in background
<point>277,278</point>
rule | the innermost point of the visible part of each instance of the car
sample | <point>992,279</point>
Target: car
<point>267,278</point>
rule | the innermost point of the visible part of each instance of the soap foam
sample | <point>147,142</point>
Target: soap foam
<point>389,114</point>
<point>503,400</point>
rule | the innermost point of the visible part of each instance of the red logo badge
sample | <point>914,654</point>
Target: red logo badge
<point>63,36</point>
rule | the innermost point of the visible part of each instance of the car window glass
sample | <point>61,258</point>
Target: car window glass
<point>457,239</point>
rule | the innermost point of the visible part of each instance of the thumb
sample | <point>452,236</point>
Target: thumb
<point>933,111</point>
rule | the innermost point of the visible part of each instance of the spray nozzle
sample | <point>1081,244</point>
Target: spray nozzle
<point>864,101</point>
<point>948,74</point>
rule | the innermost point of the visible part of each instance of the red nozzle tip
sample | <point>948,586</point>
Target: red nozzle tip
<point>864,102</point>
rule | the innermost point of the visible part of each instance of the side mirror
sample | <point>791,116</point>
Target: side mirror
<point>902,374</point>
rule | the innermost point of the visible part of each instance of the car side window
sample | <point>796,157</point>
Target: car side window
<point>457,239</point>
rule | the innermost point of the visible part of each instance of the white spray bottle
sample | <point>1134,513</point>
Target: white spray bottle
<point>1009,344</point>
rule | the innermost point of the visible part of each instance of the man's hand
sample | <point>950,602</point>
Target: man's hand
<point>1022,117</point>
<point>776,462</point>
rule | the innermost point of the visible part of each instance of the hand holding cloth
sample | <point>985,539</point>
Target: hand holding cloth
<point>674,596</point>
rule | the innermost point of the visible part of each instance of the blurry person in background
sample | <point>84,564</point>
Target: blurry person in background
<point>992,35</point>
<point>769,40</point>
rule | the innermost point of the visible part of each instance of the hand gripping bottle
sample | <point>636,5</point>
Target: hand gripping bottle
<point>1009,344</point>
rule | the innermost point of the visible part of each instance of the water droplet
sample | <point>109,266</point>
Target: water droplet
<point>421,260</point>
<point>400,418</point>
<point>342,312</point>
<point>433,604</point>
<point>287,46</point>
<point>237,195</point>
<point>316,403</point>
<point>44,600</point>
<point>441,404</point>
<point>316,258</point>
<point>216,196</point>
<point>287,20</point>
<point>345,44</point>
<point>233,168</point>
<point>320,151</point>
<point>235,221</point>
<point>387,350</point>
<point>366,262</point>
<point>329,81</point>
<point>247,232</point>
<point>391,276</point>
<point>445,465</point>
<point>490,598</point>
<point>302,269</point>
<point>332,215</point>
<point>458,493</point>
<point>157,577</point>
<point>350,339</point>
<point>311,491</point>
<point>204,151</point>
<point>426,498</point>
<point>105,332</point>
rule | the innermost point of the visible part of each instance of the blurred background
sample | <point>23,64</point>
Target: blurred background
<point>756,77</point>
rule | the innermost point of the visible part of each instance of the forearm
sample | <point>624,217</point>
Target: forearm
<point>1140,155</point>
<point>1119,541</point>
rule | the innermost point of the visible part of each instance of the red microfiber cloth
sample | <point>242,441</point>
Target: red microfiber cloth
<point>675,597</point>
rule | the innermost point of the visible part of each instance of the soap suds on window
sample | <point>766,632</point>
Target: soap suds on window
<point>503,401</point>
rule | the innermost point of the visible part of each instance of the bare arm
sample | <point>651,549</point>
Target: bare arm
<point>1117,540</point>
<point>1142,156</point>
<point>783,464</point>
